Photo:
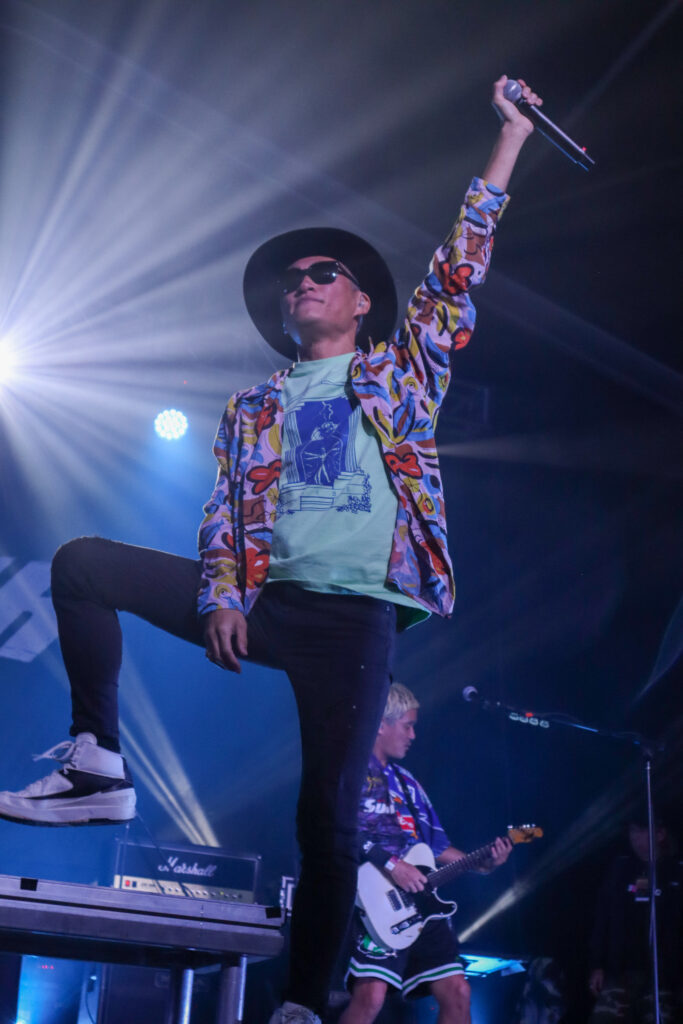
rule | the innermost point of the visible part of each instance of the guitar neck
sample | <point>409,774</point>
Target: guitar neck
<point>470,862</point>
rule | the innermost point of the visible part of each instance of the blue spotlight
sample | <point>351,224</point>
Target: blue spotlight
<point>170,424</point>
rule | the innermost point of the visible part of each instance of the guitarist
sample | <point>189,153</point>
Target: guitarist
<point>395,814</point>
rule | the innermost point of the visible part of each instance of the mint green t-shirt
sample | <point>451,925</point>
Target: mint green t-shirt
<point>336,510</point>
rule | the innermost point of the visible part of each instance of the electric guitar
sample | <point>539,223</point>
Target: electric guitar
<point>394,917</point>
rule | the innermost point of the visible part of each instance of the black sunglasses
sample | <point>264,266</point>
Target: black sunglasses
<point>324,272</point>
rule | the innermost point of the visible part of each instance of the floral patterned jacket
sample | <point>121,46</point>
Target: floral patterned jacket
<point>400,385</point>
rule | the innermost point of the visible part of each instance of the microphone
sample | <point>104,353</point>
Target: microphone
<point>472,696</point>
<point>512,91</point>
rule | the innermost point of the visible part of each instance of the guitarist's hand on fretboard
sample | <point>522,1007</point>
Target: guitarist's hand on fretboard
<point>501,848</point>
<point>408,877</point>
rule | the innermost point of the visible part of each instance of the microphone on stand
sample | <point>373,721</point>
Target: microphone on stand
<point>512,91</point>
<point>472,696</point>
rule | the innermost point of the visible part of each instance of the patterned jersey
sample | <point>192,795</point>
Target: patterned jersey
<point>399,385</point>
<point>386,819</point>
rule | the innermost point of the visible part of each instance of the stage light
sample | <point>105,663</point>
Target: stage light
<point>8,360</point>
<point>155,761</point>
<point>171,424</point>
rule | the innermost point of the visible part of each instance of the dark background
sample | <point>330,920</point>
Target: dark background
<point>147,149</point>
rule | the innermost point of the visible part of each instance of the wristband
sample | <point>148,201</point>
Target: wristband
<point>391,864</point>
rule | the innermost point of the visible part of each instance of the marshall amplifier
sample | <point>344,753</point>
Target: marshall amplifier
<point>201,872</point>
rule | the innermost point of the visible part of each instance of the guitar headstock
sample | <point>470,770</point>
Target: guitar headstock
<point>523,833</point>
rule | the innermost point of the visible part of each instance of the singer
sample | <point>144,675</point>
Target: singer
<point>325,533</point>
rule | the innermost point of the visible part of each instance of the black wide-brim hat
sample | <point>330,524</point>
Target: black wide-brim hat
<point>261,274</point>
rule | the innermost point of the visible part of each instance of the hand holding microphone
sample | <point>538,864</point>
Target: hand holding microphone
<point>527,103</point>
<point>518,106</point>
<point>506,106</point>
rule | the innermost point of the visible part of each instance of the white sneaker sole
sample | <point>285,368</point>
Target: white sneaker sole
<point>98,809</point>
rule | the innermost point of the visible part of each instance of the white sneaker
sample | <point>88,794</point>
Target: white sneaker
<point>294,1013</point>
<point>93,787</point>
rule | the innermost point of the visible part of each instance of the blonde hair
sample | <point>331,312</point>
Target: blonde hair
<point>399,701</point>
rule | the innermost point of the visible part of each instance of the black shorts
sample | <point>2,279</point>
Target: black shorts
<point>433,955</point>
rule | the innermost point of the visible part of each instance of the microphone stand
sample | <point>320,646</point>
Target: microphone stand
<point>652,876</point>
<point>648,748</point>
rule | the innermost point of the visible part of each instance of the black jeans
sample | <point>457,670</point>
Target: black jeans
<point>336,651</point>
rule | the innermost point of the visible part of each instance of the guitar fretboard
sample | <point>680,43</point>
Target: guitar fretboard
<point>470,862</point>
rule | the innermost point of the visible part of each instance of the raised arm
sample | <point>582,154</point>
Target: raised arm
<point>515,129</point>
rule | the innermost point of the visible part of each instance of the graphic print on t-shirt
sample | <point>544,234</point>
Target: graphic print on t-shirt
<point>321,470</point>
